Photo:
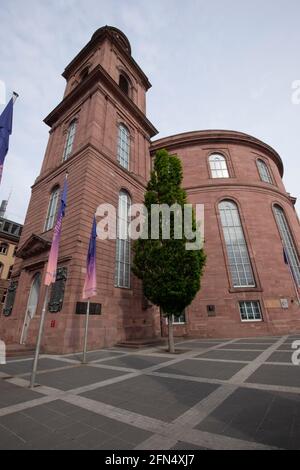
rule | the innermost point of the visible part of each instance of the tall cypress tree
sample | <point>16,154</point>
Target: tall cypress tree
<point>171,274</point>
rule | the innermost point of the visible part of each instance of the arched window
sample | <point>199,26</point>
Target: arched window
<point>288,242</point>
<point>264,171</point>
<point>3,249</point>
<point>123,262</point>
<point>123,146</point>
<point>237,250</point>
<point>50,219</point>
<point>70,140</point>
<point>124,84</point>
<point>218,166</point>
<point>1,268</point>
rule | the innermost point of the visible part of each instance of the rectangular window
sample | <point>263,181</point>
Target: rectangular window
<point>181,320</point>
<point>250,311</point>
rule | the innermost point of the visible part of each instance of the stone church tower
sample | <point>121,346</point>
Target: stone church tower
<point>100,134</point>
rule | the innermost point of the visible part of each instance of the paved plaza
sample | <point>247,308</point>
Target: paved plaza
<point>214,394</point>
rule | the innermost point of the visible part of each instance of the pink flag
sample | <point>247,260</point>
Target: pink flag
<point>53,257</point>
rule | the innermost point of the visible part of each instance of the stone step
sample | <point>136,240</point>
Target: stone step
<point>16,350</point>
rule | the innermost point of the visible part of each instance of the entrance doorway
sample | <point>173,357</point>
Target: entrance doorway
<point>31,306</point>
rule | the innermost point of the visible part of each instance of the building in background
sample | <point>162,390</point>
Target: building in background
<point>10,233</point>
<point>100,134</point>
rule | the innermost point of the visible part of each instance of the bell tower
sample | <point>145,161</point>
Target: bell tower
<point>100,134</point>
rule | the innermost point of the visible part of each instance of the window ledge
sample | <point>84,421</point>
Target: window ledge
<point>237,290</point>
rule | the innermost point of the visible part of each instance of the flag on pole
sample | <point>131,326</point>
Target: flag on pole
<point>6,120</point>
<point>90,284</point>
<point>53,257</point>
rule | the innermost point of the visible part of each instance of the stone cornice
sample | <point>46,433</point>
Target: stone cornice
<point>98,74</point>
<point>216,136</point>
<point>239,186</point>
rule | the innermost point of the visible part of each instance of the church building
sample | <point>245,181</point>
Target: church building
<point>100,135</point>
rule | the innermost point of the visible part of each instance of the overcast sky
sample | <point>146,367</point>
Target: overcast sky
<point>226,64</point>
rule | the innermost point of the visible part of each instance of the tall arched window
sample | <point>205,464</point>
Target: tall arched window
<point>288,242</point>
<point>123,262</point>
<point>264,171</point>
<point>70,140</point>
<point>237,250</point>
<point>123,146</point>
<point>50,219</point>
<point>1,268</point>
<point>218,166</point>
<point>124,84</point>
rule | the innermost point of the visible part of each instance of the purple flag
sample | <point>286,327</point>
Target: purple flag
<point>6,120</point>
<point>53,257</point>
<point>90,284</point>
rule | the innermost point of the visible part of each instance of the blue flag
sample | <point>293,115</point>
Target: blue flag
<point>6,119</point>
<point>90,283</point>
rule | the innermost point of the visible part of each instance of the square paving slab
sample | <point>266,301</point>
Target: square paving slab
<point>231,355</point>
<point>77,376</point>
<point>206,369</point>
<point>248,346</point>
<point>12,394</point>
<point>281,356</point>
<point>156,397</point>
<point>64,426</point>
<point>137,362</point>
<point>288,376</point>
<point>269,418</point>
<point>96,355</point>
<point>25,367</point>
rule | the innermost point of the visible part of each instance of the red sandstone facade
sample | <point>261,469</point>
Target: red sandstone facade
<point>97,100</point>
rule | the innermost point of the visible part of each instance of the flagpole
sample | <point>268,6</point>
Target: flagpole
<point>39,340</point>
<point>84,361</point>
<point>15,96</point>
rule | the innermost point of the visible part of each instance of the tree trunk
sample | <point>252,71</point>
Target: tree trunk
<point>171,335</point>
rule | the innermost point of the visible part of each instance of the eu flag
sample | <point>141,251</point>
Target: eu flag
<point>6,119</point>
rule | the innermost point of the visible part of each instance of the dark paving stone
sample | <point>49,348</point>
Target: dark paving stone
<point>267,341</point>
<point>40,428</point>
<point>75,377</point>
<point>288,376</point>
<point>281,356</point>
<point>185,446</point>
<point>206,369</point>
<point>258,347</point>
<point>260,416</point>
<point>96,355</point>
<point>12,395</point>
<point>157,397</point>
<point>197,345</point>
<point>231,355</point>
<point>137,362</point>
<point>286,347</point>
<point>25,367</point>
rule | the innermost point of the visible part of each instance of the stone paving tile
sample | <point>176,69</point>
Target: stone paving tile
<point>281,356</point>
<point>77,376</point>
<point>288,376</point>
<point>230,355</point>
<point>136,362</point>
<point>268,340</point>
<point>24,367</point>
<point>96,355</point>
<point>206,369</point>
<point>286,347</point>
<point>156,397</point>
<point>186,446</point>
<point>258,347</point>
<point>270,418</point>
<point>12,395</point>
<point>198,345</point>
<point>39,428</point>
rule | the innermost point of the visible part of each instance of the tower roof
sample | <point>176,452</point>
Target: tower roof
<point>116,33</point>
